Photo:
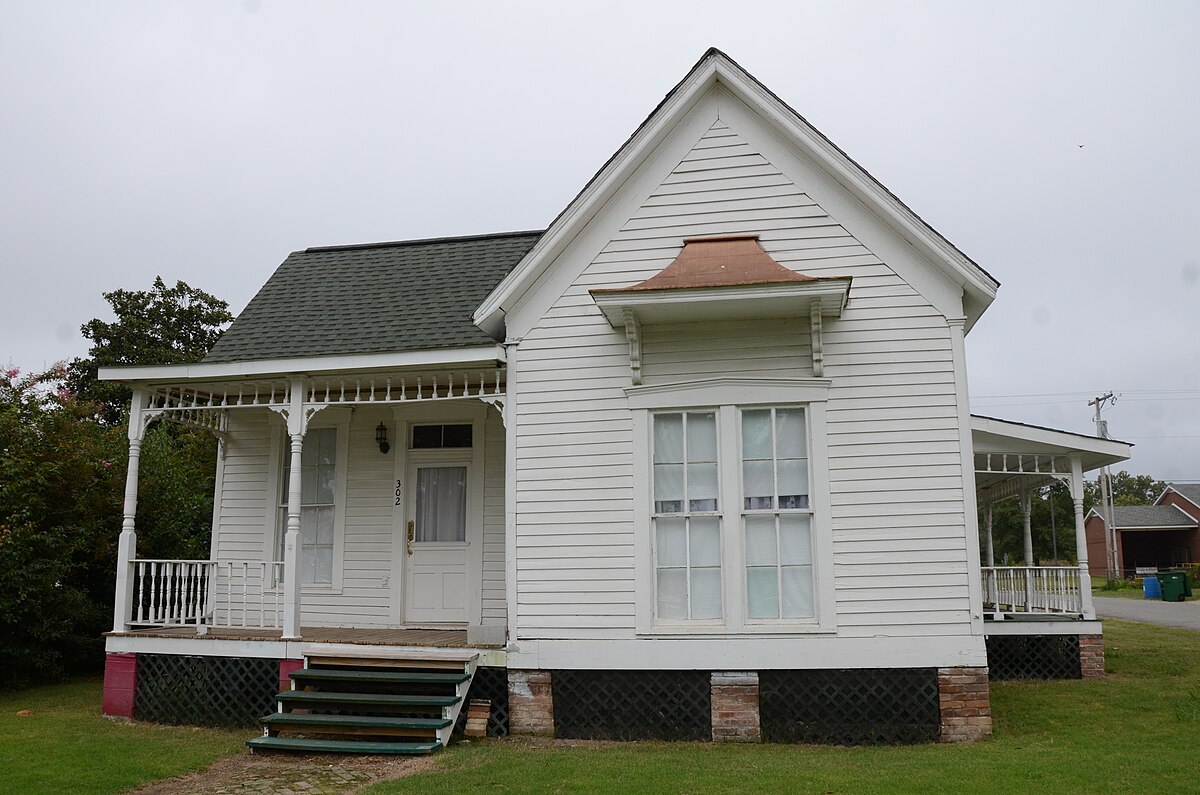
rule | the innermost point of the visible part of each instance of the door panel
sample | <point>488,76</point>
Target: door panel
<point>436,543</point>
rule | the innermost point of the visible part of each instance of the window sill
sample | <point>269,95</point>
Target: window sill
<point>328,590</point>
<point>749,630</point>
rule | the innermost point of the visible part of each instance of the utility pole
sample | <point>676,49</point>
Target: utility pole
<point>1110,533</point>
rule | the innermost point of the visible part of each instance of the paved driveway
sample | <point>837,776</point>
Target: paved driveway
<point>1185,615</point>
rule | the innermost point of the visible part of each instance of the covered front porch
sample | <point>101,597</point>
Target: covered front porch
<point>1013,460</point>
<point>354,505</point>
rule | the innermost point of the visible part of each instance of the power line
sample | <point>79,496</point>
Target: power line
<point>1084,393</point>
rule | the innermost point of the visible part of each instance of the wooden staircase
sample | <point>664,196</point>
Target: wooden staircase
<point>370,704</point>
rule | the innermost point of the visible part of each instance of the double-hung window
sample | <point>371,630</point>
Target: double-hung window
<point>318,479</point>
<point>737,537</point>
<point>686,522</point>
<point>776,516</point>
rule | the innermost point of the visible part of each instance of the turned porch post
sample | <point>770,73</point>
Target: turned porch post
<point>127,542</point>
<point>1081,550</point>
<point>1026,524</point>
<point>992,593</point>
<point>291,538</point>
<point>987,524</point>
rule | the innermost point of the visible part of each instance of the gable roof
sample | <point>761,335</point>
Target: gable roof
<point>1189,491</point>
<point>979,287</point>
<point>1148,517</point>
<point>383,297</point>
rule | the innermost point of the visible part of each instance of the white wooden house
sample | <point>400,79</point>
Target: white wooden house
<point>695,461</point>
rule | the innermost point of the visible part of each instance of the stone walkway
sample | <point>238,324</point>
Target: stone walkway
<point>289,774</point>
<point>1185,615</point>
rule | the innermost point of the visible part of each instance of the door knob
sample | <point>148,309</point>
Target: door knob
<point>412,532</point>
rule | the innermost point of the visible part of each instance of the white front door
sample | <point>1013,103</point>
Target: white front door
<point>436,541</point>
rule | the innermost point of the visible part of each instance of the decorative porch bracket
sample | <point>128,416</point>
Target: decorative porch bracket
<point>633,334</point>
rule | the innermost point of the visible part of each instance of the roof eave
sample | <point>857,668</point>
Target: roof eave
<point>1099,452</point>
<point>260,368</point>
<point>979,287</point>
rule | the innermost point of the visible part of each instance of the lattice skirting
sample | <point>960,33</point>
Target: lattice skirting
<point>205,691</point>
<point>1033,657</point>
<point>849,707</point>
<point>632,705</point>
<point>492,684</point>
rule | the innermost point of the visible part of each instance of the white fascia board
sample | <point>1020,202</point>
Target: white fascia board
<point>977,285</point>
<point>979,289</point>
<point>683,305</point>
<point>174,373</point>
<point>1102,452</point>
<point>1140,528</point>
<point>490,314</point>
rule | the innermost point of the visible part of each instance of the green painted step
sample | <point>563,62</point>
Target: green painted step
<point>402,677</point>
<point>338,721</point>
<point>302,698</point>
<point>340,746</point>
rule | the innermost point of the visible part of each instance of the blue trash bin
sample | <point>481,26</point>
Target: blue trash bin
<point>1151,588</point>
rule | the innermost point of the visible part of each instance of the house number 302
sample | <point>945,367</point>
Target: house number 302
<point>398,492</point>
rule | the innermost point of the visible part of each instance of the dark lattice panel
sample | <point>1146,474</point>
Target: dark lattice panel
<point>1033,657</point>
<point>849,707</point>
<point>492,684</point>
<point>632,705</point>
<point>205,691</point>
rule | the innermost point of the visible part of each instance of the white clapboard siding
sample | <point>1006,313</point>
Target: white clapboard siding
<point>246,529</point>
<point>895,461</point>
<point>494,610</point>
<point>367,578</point>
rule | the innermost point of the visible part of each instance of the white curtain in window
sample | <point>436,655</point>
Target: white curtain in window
<point>441,504</point>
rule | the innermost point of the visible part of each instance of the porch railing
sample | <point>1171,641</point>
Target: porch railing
<point>207,593</point>
<point>1032,589</point>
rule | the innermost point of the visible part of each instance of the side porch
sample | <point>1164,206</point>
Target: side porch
<point>1039,620</point>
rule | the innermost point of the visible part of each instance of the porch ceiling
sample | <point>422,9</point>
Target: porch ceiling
<point>1010,455</point>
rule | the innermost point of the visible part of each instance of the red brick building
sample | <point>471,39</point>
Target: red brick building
<point>1162,535</point>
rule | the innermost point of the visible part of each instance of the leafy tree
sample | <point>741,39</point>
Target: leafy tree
<point>63,458</point>
<point>162,325</point>
<point>1008,532</point>
<point>1127,489</point>
<point>61,477</point>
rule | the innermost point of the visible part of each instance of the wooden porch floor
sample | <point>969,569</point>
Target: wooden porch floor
<point>435,638</point>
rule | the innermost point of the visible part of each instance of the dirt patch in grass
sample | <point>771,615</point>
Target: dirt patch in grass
<point>291,774</point>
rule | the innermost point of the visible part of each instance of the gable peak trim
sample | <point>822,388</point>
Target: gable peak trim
<point>716,66</point>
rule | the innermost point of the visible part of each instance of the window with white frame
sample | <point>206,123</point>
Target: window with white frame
<point>686,522</point>
<point>318,479</point>
<point>776,517</point>
<point>732,469</point>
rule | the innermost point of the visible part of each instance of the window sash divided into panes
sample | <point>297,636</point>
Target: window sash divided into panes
<point>318,489</point>
<point>686,518</point>
<point>779,569</point>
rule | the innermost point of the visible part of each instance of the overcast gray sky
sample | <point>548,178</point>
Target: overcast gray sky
<point>1054,142</point>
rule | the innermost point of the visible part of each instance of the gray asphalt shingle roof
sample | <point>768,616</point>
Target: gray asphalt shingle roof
<point>386,297</point>
<point>1190,491</point>
<point>1130,516</point>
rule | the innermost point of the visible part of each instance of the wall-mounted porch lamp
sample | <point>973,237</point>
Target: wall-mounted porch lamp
<point>381,438</point>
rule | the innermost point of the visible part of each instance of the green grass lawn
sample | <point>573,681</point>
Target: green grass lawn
<point>66,746</point>
<point>1133,731</point>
